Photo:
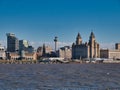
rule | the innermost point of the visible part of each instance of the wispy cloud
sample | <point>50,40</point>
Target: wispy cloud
<point>107,45</point>
<point>52,44</point>
<point>3,43</point>
<point>60,44</point>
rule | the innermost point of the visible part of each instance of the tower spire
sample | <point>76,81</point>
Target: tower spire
<point>78,36</point>
<point>44,51</point>
<point>78,39</point>
<point>56,40</point>
<point>92,35</point>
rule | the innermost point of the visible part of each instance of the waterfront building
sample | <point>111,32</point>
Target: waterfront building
<point>93,47</point>
<point>44,51</point>
<point>23,56</point>
<point>111,54</point>
<point>23,45</point>
<point>30,56</point>
<point>30,49</point>
<point>13,56</point>
<point>12,42</point>
<point>85,50</point>
<point>117,46</point>
<point>39,52</point>
<point>2,52</point>
<point>65,52</point>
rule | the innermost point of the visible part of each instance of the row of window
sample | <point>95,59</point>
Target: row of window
<point>19,58</point>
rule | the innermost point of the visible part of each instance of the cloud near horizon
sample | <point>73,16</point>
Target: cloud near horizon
<point>107,45</point>
<point>60,44</point>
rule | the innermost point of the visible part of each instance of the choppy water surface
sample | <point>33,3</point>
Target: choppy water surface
<point>59,76</point>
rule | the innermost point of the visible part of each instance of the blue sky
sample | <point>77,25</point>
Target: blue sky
<point>42,20</point>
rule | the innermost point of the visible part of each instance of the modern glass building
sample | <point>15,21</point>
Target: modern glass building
<point>12,42</point>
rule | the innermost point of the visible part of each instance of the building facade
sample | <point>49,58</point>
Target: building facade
<point>12,43</point>
<point>44,51</point>
<point>39,52</point>
<point>14,56</point>
<point>117,46</point>
<point>22,56</point>
<point>94,47</point>
<point>2,52</point>
<point>30,49</point>
<point>65,52</point>
<point>23,45</point>
<point>85,50</point>
<point>111,54</point>
<point>30,56</point>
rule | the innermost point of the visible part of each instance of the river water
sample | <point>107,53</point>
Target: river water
<point>59,76</point>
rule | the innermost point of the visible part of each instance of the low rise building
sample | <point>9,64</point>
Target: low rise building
<point>44,51</point>
<point>14,56</point>
<point>2,52</point>
<point>117,46</point>
<point>39,52</point>
<point>111,54</point>
<point>65,52</point>
<point>22,56</point>
<point>30,56</point>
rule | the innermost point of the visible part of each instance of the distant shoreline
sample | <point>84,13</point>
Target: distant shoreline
<point>55,62</point>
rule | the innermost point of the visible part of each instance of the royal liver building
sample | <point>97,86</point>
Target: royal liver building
<point>85,50</point>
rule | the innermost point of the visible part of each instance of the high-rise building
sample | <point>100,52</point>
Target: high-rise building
<point>23,45</point>
<point>12,43</point>
<point>30,49</point>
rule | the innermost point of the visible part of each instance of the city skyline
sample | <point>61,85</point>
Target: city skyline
<point>40,21</point>
<point>59,44</point>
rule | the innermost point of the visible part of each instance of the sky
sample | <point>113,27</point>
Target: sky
<point>39,21</point>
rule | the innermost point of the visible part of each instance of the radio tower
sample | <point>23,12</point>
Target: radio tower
<point>56,40</point>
